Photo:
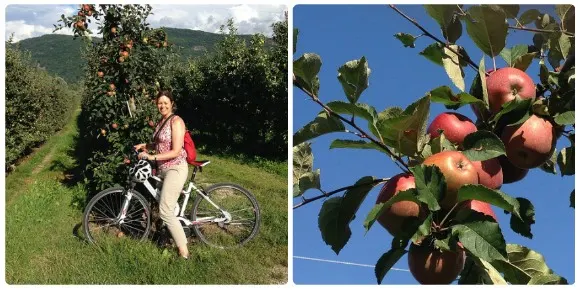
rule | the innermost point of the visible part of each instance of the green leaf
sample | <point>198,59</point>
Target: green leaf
<point>492,274</point>
<point>483,83</point>
<point>487,28</point>
<point>449,24</point>
<point>355,144</point>
<point>354,78</point>
<point>444,95</point>
<point>510,55</point>
<point>566,161</point>
<point>567,14</point>
<point>563,9</point>
<point>430,184</point>
<point>337,213</point>
<point>408,40</point>
<point>423,230</point>
<point>383,116</point>
<point>550,164</point>
<point>443,244</point>
<point>405,132</point>
<point>482,145</point>
<point>323,124</point>
<point>364,111</point>
<point>522,265</point>
<point>482,238</point>
<point>386,262</point>
<point>566,118</point>
<point>529,16</point>
<point>333,233</point>
<point>295,40</point>
<point>306,70</point>
<point>514,112</point>
<point>523,224</point>
<point>564,45</point>
<point>434,53</point>
<point>491,196</point>
<point>453,67</point>
<point>511,11</point>
<point>302,160</point>
<point>548,279</point>
<point>378,209</point>
<point>572,199</point>
<point>523,62</point>
<point>441,143</point>
<point>308,181</point>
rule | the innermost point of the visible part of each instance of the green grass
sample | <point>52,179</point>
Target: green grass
<point>44,242</point>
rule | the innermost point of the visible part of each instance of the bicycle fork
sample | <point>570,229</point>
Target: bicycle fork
<point>121,218</point>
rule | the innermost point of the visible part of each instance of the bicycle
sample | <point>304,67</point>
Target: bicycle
<point>123,211</point>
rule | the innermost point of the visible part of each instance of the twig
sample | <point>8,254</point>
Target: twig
<point>473,65</point>
<point>327,194</point>
<point>448,213</point>
<point>540,30</point>
<point>364,133</point>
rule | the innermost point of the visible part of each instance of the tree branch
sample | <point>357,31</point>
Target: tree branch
<point>426,33</point>
<point>540,30</point>
<point>309,200</point>
<point>351,123</point>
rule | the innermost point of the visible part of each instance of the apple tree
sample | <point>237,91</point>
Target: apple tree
<point>438,207</point>
<point>125,70</point>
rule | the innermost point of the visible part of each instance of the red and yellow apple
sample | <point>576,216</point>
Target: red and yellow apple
<point>489,173</point>
<point>432,266</point>
<point>395,216</point>
<point>529,144</point>
<point>455,127</point>
<point>505,83</point>
<point>457,169</point>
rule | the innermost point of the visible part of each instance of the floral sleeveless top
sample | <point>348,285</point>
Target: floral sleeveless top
<point>163,144</point>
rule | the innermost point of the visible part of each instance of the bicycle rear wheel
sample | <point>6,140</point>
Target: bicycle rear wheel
<point>239,203</point>
<point>101,219</point>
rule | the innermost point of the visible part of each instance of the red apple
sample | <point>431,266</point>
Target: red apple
<point>100,74</point>
<point>511,173</point>
<point>432,266</point>
<point>505,83</point>
<point>395,216</point>
<point>457,169</point>
<point>530,144</point>
<point>455,127</point>
<point>114,126</point>
<point>479,206</point>
<point>489,173</point>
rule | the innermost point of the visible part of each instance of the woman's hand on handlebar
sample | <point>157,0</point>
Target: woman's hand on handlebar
<point>141,147</point>
<point>145,155</point>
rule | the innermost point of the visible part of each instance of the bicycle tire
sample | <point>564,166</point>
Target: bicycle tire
<point>202,230</point>
<point>128,228</point>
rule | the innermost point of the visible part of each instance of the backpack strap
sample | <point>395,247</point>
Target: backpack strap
<point>162,126</point>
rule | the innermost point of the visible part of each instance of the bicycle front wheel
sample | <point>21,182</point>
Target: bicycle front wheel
<point>210,224</point>
<point>103,220</point>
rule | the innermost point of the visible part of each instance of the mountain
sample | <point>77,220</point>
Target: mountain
<point>61,54</point>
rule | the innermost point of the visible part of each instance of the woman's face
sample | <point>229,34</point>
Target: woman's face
<point>164,105</point>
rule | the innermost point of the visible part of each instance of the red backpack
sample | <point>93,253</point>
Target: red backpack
<point>188,144</point>
<point>189,148</point>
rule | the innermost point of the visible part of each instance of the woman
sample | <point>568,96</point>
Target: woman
<point>172,166</point>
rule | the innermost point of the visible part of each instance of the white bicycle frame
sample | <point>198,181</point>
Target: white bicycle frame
<point>179,210</point>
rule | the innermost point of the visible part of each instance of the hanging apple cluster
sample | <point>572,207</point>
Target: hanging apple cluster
<point>453,168</point>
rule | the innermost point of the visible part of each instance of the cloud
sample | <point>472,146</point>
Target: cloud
<point>25,21</point>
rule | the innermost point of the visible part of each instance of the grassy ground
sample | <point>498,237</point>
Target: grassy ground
<point>44,243</point>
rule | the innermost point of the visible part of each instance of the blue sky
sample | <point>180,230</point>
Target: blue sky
<point>399,76</point>
<point>34,20</point>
